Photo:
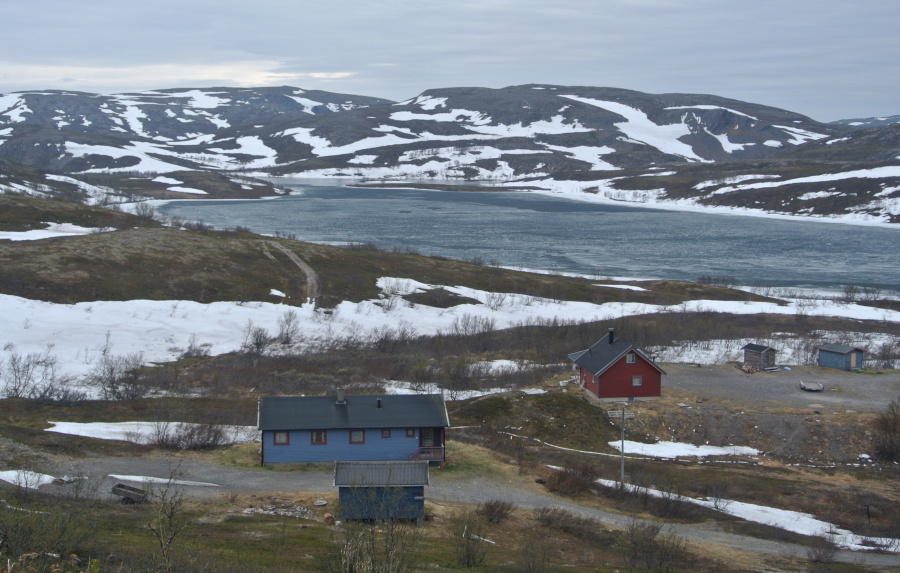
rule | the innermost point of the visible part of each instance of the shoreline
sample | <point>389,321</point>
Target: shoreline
<point>582,197</point>
<point>677,205</point>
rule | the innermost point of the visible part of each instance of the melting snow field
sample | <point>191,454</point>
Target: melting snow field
<point>25,478</point>
<point>681,450</point>
<point>795,521</point>
<point>143,432</point>
<point>79,335</point>
<point>52,230</point>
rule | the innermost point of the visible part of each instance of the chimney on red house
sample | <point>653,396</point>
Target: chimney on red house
<point>611,335</point>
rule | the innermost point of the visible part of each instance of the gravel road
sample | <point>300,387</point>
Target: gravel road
<point>843,391</point>
<point>443,489</point>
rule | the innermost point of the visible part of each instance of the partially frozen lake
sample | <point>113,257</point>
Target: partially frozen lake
<point>561,235</point>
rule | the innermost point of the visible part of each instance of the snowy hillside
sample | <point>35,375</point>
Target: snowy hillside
<point>669,150</point>
<point>447,133</point>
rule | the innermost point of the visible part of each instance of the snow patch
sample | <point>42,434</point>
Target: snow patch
<point>639,127</point>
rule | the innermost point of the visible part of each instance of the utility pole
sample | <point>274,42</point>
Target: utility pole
<point>623,415</point>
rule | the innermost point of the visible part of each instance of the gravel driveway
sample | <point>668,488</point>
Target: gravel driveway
<point>843,390</point>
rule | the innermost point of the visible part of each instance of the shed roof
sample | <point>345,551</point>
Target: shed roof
<point>840,348</point>
<point>756,347</point>
<point>605,352</point>
<point>389,473</point>
<point>325,413</point>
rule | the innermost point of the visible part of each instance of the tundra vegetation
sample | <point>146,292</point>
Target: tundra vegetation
<point>510,437</point>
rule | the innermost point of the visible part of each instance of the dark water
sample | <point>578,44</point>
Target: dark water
<point>540,232</point>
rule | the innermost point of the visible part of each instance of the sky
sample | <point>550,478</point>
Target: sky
<point>828,59</point>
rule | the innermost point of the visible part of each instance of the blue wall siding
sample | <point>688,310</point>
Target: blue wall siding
<point>397,447</point>
<point>840,361</point>
<point>382,502</point>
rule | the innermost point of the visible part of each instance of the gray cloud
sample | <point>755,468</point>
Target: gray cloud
<point>829,59</point>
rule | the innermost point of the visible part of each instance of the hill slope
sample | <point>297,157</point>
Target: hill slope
<point>592,142</point>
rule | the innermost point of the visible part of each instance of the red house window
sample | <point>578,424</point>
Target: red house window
<point>637,380</point>
<point>357,436</point>
<point>629,358</point>
<point>385,433</point>
<point>282,439</point>
<point>410,433</point>
<point>318,437</point>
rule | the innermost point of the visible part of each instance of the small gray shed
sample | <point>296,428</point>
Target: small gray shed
<point>759,356</point>
<point>382,489</point>
<point>841,357</point>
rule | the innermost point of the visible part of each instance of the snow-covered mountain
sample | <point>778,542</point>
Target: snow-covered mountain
<point>527,131</point>
<point>168,114</point>
<point>869,121</point>
<point>582,139</point>
<point>447,133</point>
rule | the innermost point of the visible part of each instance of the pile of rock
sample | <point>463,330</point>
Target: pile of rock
<point>285,509</point>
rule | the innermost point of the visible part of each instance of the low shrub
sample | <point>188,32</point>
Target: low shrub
<point>495,510</point>
<point>573,481</point>
<point>573,524</point>
<point>642,547</point>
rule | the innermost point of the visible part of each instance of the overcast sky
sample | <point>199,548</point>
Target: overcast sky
<point>828,59</point>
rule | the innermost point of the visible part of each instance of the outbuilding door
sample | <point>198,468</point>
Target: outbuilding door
<point>852,360</point>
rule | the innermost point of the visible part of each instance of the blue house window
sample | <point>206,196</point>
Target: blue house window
<point>318,437</point>
<point>410,432</point>
<point>386,433</point>
<point>357,436</point>
<point>282,439</point>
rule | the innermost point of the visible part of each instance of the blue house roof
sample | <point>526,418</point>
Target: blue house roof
<point>328,412</point>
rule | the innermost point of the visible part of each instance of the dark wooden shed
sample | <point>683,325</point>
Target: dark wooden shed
<point>381,490</point>
<point>759,356</point>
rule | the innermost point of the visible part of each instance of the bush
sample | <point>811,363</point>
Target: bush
<point>573,524</point>
<point>467,531</point>
<point>642,547</point>
<point>55,531</point>
<point>495,510</point>
<point>188,436</point>
<point>887,433</point>
<point>572,481</point>
<point>822,550</point>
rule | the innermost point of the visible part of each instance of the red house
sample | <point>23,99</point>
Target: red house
<point>614,369</point>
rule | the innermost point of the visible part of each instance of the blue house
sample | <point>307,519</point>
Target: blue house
<point>381,490</point>
<point>352,428</point>
<point>840,356</point>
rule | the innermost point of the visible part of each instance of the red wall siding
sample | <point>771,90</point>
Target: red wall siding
<point>615,382</point>
<point>587,380</point>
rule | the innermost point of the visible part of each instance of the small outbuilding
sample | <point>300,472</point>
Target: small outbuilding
<point>381,490</point>
<point>759,356</point>
<point>841,357</point>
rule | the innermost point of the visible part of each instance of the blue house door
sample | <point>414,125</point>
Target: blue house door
<point>427,438</point>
